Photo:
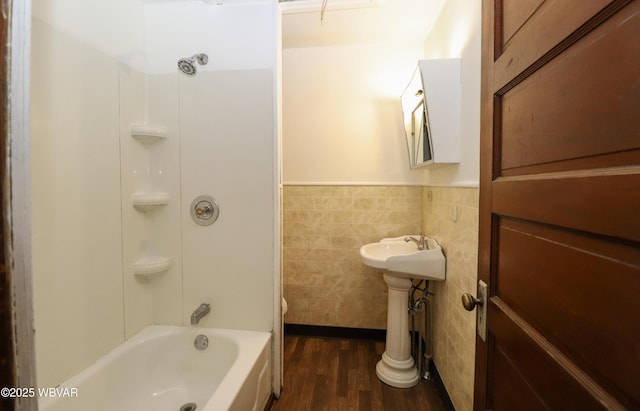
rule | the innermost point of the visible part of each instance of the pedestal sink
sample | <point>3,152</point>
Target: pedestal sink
<point>401,261</point>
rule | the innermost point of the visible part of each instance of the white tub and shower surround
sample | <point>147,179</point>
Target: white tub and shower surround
<point>86,166</point>
<point>160,369</point>
<point>75,172</point>
<point>237,280</point>
<point>221,143</point>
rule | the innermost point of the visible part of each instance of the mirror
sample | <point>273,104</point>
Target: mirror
<point>416,123</point>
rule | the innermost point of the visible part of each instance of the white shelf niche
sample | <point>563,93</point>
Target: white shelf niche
<point>148,201</point>
<point>149,135</point>
<point>147,267</point>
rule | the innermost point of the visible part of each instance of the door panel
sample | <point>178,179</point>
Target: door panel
<point>555,280</point>
<point>557,113</point>
<point>512,390</point>
<point>555,381</point>
<point>515,13</point>
<point>542,30</point>
<point>604,202</point>
<point>560,205</point>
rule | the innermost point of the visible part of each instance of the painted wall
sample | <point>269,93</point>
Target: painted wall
<point>342,120</point>
<point>86,166</point>
<point>457,33</point>
<point>450,214</point>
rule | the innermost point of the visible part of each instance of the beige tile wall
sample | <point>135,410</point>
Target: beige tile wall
<point>326,284</point>
<point>324,226</point>
<point>450,215</point>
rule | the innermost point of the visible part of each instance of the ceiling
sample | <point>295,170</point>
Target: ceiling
<point>347,22</point>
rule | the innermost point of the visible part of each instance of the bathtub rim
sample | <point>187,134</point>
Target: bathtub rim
<point>226,391</point>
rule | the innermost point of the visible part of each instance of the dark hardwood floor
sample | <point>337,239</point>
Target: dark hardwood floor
<point>340,375</point>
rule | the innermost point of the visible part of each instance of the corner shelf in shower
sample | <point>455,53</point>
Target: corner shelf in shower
<point>147,267</point>
<point>148,135</point>
<point>148,201</point>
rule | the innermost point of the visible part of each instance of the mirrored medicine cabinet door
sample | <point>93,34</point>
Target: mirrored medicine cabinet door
<point>416,123</point>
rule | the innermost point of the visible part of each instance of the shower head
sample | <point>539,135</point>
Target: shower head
<point>188,65</point>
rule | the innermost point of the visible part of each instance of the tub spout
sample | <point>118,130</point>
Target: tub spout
<point>200,312</point>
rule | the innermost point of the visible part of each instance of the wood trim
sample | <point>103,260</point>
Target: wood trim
<point>8,372</point>
<point>16,191</point>
<point>269,403</point>
<point>519,67</point>
<point>335,332</point>
<point>515,16</point>
<point>486,146</point>
<point>440,387</point>
<point>535,199</point>
<point>489,52</point>
<point>616,159</point>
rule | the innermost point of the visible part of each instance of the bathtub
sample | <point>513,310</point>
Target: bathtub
<point>159,369</point>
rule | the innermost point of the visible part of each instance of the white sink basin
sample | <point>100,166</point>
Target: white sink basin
<point>403,259</point>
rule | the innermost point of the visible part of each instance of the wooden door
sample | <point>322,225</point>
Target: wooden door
<point>17,357</point>
<point>7,342</point>
<point>560,205</point>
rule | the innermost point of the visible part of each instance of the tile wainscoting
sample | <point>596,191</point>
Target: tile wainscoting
<point>325,283</point>
<point>323,227</point>
<point>450,215</point>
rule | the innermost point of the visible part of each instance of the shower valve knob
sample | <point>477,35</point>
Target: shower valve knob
<point>204,210</point>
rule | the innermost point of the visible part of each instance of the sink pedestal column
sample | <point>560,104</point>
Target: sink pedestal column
<point>396,368</point>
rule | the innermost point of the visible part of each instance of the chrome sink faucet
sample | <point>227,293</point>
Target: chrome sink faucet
<point>200,312</point>
<point>422,242</point>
